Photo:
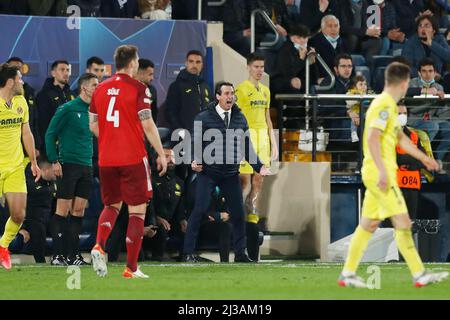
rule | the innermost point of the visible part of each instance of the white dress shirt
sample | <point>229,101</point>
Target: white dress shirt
<point>221,113</point>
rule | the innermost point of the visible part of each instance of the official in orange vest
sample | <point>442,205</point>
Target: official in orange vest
<point>408,174</point>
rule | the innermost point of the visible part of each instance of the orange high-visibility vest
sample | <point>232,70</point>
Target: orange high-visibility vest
<point>408,178</point>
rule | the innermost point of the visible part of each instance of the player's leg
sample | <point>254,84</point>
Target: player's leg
<point>246,184</point>
<point>58,226</point>
<point>15,189</point>
<point>257,181</point>
<point>405,243</point>
<point>75,227</point>
<point>135,234</point>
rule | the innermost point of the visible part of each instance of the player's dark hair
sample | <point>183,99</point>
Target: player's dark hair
<point>14,59</point>
<point>145,63</point>
<point>58,62</point>
<point>220,84</point>
<point>342,56</point>
<point>7,72</point>
<point>396,73</point>
<point>426,62</point>
<point>85,78</point>
<point>252,57</point>
<point>93,60</point>
<point>124,55</point>
<point>195,53</point>
<point>401,59</point>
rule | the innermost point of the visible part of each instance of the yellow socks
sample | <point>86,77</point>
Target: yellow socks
<point>11,230</point>
<point>358,245</point>
<point>405,244</point>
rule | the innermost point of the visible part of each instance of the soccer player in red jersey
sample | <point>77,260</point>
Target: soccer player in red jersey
<point>120,117</point>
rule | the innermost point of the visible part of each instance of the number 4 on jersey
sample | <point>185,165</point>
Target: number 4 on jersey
<point>110,116</point>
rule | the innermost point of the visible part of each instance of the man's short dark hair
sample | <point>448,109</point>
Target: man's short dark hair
<point>124,55</point>
<point>396,73</point>
<point>426,62</point>
<point>7,72</point>
<point>432,20</point>
<point>58,62</point>
<point>93,60</point>
<point>15,59</point>
<point>252,57</point>
<point>342,56</point>
<point>195,53</point>
<point>220,84</point>
<point>300,30</point>
<point>86,77</point>
<point>401,59</point>
<point>145,63</point>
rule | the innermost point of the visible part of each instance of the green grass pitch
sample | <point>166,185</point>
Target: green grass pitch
<point>274,281</point>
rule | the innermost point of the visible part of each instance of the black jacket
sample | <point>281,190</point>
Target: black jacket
<point>346,19</point>
<point>113,9</point>
<point>275,9</point>
<point>186,96</point>
<point>33,115</point>
<point>47,101</point>
<point>236,16</point>
<point>407,161</point>
<point>406,15</point>
<point>326,51</point>
<point>289,65</point>
<point>89,8</point>
<point>240,145</point>
<point>311,16</point>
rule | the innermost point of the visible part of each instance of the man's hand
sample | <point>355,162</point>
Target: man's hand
<point>430,164</point>
<point>429,39</point>
<point>183,225</point>
<point>247,32</point>
<point>355,117</point>
<point>265,171</point>
<point>426,13</point>
<point>373,31</point>
<point>396,35</point>
<point>163,222</point>
<point>161,164</point>
<point>281,31</point>
<point>296,83</point>
<point>432,90</point>
<point>302,53</point>
<point>224,216</point>
<point>57,169</point>
<point>196,167</point>
<point>150,231</point>
<point>382,180</point>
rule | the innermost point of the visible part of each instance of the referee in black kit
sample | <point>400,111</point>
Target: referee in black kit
<point>231,143</point>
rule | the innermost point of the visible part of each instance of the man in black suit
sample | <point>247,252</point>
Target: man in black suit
<point>328,42</point>
<point>230,144</point>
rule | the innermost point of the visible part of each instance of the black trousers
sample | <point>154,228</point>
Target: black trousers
<point>36,224</point>
<point>231,190</point>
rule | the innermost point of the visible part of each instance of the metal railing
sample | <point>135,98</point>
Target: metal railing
<point>253,29</point>
<point>315,98</point>
<point>210,4</point>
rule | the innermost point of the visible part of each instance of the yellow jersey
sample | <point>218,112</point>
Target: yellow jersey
<point>253,103</point>
<point>12,116</point>
<point>383,115</point>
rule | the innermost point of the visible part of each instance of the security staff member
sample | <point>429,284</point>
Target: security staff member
<point>221,167</point>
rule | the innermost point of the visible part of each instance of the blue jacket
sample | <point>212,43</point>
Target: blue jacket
<point>414,52</point>
<point>227,152</point>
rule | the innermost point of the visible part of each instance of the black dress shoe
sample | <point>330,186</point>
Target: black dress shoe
<point>189,258</point>
<point>243,258</point>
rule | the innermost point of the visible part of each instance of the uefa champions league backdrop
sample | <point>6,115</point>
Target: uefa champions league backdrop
<point>41,40</point>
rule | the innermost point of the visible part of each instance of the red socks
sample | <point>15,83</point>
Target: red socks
<point>135,233</point>
<point>106,223</point>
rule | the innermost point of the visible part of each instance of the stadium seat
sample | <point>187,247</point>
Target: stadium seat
<point>381,61</point>
<point>358,60</point>
<point>365,71</point>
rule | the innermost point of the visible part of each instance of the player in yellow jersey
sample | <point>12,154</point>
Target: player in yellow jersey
<point>14,130</point>
<point>253,98</point>
<point>383,198</point>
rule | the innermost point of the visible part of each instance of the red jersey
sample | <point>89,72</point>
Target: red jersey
<point>117,102</point>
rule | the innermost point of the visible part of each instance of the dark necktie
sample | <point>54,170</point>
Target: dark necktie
<point>225,120</point>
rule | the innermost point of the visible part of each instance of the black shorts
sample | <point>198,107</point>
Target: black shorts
<point>75,182</point>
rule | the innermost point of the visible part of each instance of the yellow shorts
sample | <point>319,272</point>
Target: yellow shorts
<point>13,180</point>
<point>380,205</point>
<point>261,143</point>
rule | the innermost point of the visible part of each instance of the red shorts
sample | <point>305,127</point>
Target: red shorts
<point>130,184</point>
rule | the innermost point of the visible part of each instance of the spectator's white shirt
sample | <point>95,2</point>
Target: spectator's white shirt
<point>156,15</point>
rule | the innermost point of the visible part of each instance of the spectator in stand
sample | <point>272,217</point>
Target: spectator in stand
<point>289,76</point>
<point>406,12</point>
<point>188,95</point>
<point>187,9</point>
<point>358,86</point>
<point>446,80</point>
<point>55,92</point>
<point>390,32</point>
<point>293,8</point>
<point>277,11</point>
<point>427,42</point>
<point>154,9</point>
<point>18,7</point>
<point>328,43</point>
<point>236,25</point>
<point>145,74</point>
<point>427,117</point>
<point>89,8</point>
<point>47,7</point>
<point>313,11</point>
<point>357,35</point>
<point>120,9</point>
<point>439,11</point>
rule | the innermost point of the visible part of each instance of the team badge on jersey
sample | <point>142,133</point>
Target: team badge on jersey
<point>19,110</point>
